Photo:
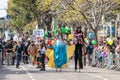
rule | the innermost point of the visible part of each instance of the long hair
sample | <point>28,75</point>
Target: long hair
<point>78,31</point>
<point>43,45</point>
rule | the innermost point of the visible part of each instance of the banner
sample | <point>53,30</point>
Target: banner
<point>38,33</point>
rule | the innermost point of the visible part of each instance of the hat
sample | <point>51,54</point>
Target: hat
<point>79,26</point>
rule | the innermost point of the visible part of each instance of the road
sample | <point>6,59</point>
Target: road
<point>29,72</point>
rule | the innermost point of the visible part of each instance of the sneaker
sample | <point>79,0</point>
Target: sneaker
<point>38,67</point>
<point>17,67</point>
<point>42,69</point>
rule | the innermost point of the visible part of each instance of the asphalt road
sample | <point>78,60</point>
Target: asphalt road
<point>29,72</point>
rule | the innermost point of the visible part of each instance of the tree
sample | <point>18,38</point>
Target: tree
<point>91,10</point>
<point>19,15</point>
<point>24,12</point>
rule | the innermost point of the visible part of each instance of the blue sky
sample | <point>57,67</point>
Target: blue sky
<point>3,5</point>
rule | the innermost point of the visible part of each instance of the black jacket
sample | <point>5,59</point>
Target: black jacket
<point>8,47</point>
<point>19,49</point>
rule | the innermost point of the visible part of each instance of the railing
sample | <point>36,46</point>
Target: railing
<point>1,58</point>
<point>111,61</point>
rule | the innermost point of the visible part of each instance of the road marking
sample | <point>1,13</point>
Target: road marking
<point>31,76</point>
<point>70,73</point>
<point>99,76</point>
<point>105,79</point>
<point>16,72</point>
<point>28,73</point>
<point>25,69</point>
<point>92,74</point>
<point>29,65</point>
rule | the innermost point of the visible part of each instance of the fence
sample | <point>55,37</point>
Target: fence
<point>1,58</point>
<point>111,61</point>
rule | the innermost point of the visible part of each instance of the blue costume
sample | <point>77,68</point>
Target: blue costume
<point>60,54</point>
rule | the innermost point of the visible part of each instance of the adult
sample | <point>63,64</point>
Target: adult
<point>32,51</point>
<point>2,51</point>
<point>89,50</point>
<point>42,50</point>
<point>19,51</point>
<point>13,56</point>
<point>26,55</point>
<point>78,47</point>
<point>112,54</point>
<point>117,49</point>
<point>9,52</point>
<point>84,54</point>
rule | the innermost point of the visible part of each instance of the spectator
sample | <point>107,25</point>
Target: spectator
<point>19,51</point>
<point>89,50</point>
<point>26,45</point>
<point>13,55</point>
<point>43,49</point>
<point>9,52</point>
<point>32,51</point>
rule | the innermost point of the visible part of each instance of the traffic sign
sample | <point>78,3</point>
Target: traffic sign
<point>7,16</point>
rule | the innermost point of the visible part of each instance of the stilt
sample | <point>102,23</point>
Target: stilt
<point>56,70</point>
<point>75,70</point>
<point>79,70</point>
<point>60,69</point>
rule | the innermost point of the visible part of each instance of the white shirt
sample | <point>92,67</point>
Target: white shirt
<point>43,50</point>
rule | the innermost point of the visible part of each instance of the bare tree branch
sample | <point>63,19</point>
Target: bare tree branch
<point>82,15</point>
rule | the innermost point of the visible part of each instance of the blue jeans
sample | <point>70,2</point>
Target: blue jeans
<point>18,58</point>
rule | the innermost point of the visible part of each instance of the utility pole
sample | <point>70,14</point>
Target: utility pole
<point>118,23</point>
<point>110,25</point>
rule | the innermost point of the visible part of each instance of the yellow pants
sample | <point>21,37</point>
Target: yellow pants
<point>32,58</point>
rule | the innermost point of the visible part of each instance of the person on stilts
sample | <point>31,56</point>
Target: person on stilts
<point>78,47</point>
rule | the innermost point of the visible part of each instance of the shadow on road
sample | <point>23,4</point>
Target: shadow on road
<point>5,72</point>
<point>65,71</point>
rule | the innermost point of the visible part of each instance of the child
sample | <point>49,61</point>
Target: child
<point>38,60</point>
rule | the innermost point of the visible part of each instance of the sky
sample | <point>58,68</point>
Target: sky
<point>3,6</point>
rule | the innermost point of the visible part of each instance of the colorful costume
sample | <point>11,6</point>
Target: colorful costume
<point>60,54</point>
<point>58,57</point>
